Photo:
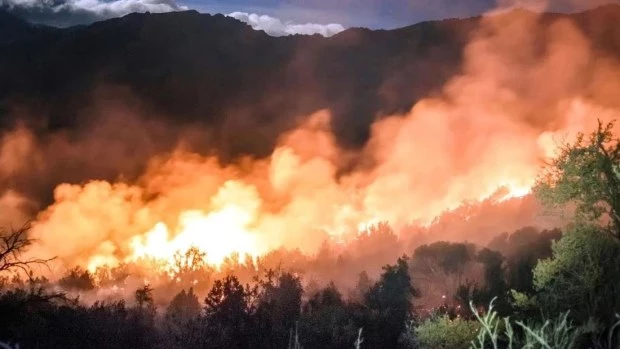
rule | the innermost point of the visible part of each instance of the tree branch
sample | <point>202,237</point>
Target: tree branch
<point>12,246</point>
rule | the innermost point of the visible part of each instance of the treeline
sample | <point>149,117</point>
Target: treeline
<point>421,301</point>
<point>274,310</point>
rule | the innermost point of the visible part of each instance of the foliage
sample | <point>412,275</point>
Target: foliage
<point>389,302</point>
<point>326,321</point>
<point>522,250</point>
<point>144,296</point>
<point>557,333</point>
<point>582,276</point>
<point>443,332</point>
<point>78,279</point>
<point>274,312</point>
<point>587,174</point>
<point>495,284</point>
<point>183,308</point>
<point>443,257</point>
<point>42,319</point>
<point>229,306</point>
<point>361,288</point>
<point>442,265</point>
<point>279,308</point>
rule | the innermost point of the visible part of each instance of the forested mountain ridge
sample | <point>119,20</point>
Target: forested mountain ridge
<point>213,69</point>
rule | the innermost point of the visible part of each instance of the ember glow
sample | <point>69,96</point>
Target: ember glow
<point>218,233</point>
<point>477,140</point>
<point>292,199</point>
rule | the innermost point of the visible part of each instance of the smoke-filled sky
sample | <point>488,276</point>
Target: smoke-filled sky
<point>523,84</point>
<point>285,17</point>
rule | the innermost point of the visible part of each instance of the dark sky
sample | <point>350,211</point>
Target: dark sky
<point>367,13</point>
<point>360,13</point>
<point>378,13</point>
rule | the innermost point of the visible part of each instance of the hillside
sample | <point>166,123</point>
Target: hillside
<point>216,70</point>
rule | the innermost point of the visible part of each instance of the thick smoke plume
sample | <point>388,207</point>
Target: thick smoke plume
<point>525,85</point>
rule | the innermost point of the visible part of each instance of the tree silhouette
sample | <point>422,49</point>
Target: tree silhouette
<point>229,308</point>
<point>390,303</point>
<point>77,279</point>
<point>12,247</point>
<point>279,308</point>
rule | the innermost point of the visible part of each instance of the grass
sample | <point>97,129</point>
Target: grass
<point>556,333</point>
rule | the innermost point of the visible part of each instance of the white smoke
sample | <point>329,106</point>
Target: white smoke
<point>275,27</point>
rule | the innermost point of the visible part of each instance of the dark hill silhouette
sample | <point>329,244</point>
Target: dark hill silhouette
<point>14,29</point>
<point>244,84</point>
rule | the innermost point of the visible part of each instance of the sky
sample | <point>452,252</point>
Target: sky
<point>284,17</point>
<point>384,14</point>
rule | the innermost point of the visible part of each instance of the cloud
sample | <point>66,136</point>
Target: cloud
<point>275,27</point>
<point>72,12</point>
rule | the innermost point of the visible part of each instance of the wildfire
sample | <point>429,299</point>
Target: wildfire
<point>476,141</point>
<point>219,233</point>
<point>227,231</point>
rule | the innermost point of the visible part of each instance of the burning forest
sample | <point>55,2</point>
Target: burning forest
<point>490,192</point>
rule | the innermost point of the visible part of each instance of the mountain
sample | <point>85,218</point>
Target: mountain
<point>245,85</point>
<point>219,71</point>
<point>14,29</point>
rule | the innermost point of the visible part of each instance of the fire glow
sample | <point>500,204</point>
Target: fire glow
<point>292,199</point>
<point>477,140</point>
<point>218,234</point>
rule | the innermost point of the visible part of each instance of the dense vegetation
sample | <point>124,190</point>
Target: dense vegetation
<point>528,289</point>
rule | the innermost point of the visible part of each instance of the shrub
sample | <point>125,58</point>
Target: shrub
<point>444,333</point>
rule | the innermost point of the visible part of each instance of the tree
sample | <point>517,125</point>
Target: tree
<point>108,276</point>
<point>279,308</point>
<point>144,299</point>
<point>586,173</point>
<point>494,283</point>
<point>142,319</point>
<point>183,307</point>
<point>190,269</point>
<point>12,247</point>
<point>522,250</point>
<point>374,247</point>
<point>78,279</point>
<point>229,308</point>
<point>582,276</point>
<point>389,301</point>
<point>361,288</point>
<point>182,314</point>
<point>326,321</point>
<point>442,265</point>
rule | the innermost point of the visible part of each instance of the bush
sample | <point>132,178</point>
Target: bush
<point>581,277</point>
<point>444,333</point>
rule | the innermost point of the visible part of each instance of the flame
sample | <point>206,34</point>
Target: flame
<point>476,140</point>
<point>219,234</point>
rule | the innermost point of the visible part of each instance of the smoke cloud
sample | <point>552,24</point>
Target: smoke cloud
<point>275,27</point>
<point>457,166</point>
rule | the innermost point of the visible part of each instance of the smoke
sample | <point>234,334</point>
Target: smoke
<point>65,13</point>
<point>275,27</point>
<point>525,84</point>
